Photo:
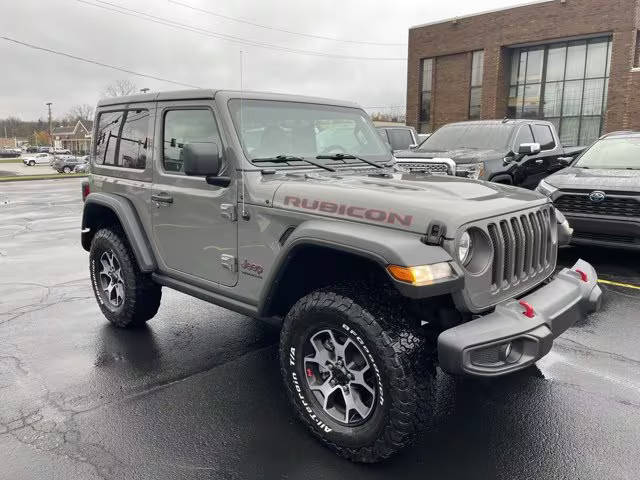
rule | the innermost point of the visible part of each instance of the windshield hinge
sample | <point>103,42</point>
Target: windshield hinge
<point>435,233</point>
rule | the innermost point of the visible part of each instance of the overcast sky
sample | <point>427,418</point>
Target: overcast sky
<point>30,78</point>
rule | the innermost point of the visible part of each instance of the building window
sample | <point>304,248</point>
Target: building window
<point>475,96</point>
<point>564,83</point>
<point>426,82</point>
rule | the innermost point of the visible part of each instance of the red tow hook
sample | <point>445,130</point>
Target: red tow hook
<point>583,275</point>
<point>309,373</point>
<point>528,309</point>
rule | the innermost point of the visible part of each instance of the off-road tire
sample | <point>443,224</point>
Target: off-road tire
<point>141,294</point>
<point>400,354</point>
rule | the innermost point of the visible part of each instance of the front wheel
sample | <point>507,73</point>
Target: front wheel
<point>32,163</point>
<point>66,169</point>
<point>359,379</point>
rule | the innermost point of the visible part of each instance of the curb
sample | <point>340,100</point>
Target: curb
<point>57,176</point>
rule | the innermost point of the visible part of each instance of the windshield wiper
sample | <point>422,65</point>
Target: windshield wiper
<point>348,156</point>
<point>291,158</point>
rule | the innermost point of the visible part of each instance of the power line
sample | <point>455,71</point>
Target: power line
<point>95,62</point>
<point>291,32</point>
<point>231,38</point>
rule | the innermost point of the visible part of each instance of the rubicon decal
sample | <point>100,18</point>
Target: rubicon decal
<point>353,211</point>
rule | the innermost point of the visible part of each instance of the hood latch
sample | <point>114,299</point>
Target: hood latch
<point>435,233</point>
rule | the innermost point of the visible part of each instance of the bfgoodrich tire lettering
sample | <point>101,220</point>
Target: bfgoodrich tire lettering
<point>137,297</point>
<point>401,372</point>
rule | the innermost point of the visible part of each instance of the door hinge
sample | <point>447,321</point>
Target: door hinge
<point>228,211</point>
<point>435,233</point>
<point>229,262</point>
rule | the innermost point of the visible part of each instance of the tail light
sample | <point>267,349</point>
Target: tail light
<point>86,190</point>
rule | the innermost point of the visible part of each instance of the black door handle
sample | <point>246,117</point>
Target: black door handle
<point>162,197</point>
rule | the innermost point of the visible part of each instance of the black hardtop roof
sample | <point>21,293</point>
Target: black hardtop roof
<point>209,94</point>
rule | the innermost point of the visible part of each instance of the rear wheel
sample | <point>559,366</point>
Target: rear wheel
<point>66,169</point>
<point>359,379</point>
<point>127,296</point>
<point>31,163</point>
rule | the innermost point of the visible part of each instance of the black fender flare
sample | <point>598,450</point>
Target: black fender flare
<point>384,246</point>
<point>126,214</point>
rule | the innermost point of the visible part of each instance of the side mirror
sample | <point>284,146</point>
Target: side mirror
<point>529,148</point>
<point>203,160</point>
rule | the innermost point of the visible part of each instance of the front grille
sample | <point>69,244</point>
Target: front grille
<point>431,167</point>
<point>522,247</point>
<point>610,206</point>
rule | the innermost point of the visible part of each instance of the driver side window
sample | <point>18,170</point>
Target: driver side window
<point>186,126</point>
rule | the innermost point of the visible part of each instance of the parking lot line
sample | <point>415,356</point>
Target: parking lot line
<point>618,284</point>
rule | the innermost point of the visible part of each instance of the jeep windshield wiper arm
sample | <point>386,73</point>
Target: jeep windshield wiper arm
<point>348,156</point>
<point>291,158</point>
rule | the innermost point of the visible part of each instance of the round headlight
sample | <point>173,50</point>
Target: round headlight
<point>465,244</point>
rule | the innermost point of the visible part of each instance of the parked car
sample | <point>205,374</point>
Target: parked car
<point>61,151</point>
<point>66,163</point>
<point>37,159</point>
<point>31,149</point>
<point>600,192</point>
<point>513,152</point>
<point>10,152</point>
<point>45,149</point>
<point>82,167</point>
<point>399,137</point>
<point>352,256</point>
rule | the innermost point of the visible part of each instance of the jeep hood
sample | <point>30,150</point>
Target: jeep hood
<point>403,201</point>
<point>595,179</point>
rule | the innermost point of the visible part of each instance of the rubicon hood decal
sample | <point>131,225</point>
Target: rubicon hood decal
<point>353,211</point>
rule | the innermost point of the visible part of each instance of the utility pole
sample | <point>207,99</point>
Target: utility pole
<point>50,129</point>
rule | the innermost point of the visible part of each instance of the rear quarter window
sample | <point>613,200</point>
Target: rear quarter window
<point>122,138</point>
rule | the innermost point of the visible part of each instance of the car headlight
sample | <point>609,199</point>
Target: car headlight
<point>546,188</point>
<point>465,245</point>
<point>470,170</point>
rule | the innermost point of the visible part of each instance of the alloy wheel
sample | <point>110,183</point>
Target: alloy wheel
<point>111,280</point>
<point>340,376</point>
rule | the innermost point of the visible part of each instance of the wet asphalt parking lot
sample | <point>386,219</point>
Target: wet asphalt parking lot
<point>197,394</point>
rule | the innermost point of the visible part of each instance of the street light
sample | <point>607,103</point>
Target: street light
<point>48,104</point>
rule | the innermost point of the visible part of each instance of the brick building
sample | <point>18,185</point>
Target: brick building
<point>573,62</point>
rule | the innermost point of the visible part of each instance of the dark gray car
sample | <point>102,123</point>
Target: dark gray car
<point>514,152</point>
<point>290,209</point>
<point>600,192</point>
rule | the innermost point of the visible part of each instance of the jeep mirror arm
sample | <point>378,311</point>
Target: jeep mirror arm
<point>218,181</point>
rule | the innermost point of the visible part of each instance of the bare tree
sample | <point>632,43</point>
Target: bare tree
<point>119,88</point>
<point>82,112</point>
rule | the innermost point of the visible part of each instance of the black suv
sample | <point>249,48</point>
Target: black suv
<point>513,152</point>
<point>600,192</point>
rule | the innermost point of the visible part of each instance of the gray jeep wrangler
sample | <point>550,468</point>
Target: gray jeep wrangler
<point>291,209</point>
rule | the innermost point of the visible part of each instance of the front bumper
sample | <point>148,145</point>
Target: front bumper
<point>507,340</point>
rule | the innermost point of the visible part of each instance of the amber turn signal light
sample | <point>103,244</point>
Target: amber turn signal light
<point>421,274</point>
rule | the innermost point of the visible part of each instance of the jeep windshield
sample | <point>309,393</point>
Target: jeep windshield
<point>613,154</point>
<point>284,130</point>
<point>473,136</point>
